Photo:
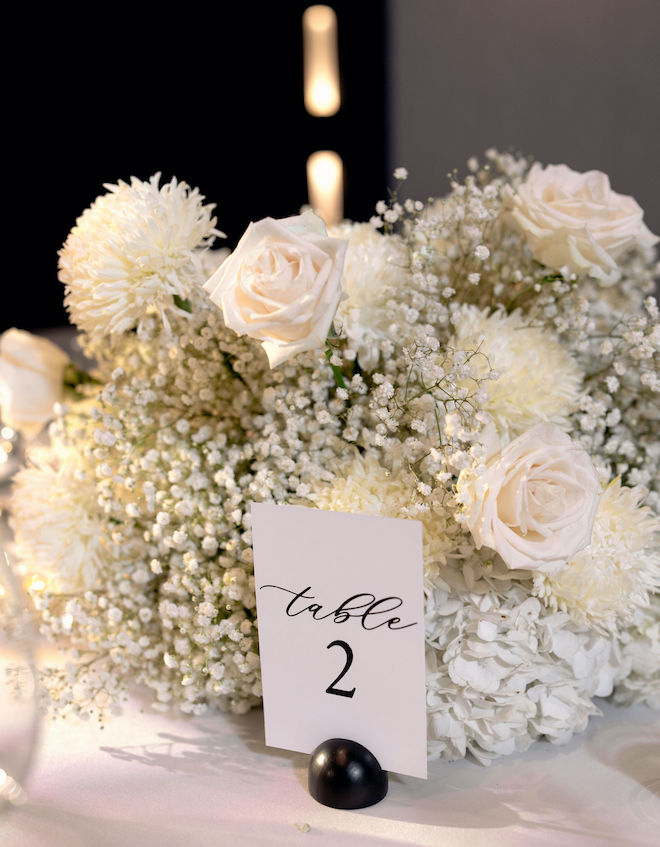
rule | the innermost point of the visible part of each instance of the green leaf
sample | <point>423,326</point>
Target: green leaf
<point>339,379</point>
<point>74,376</point>
<point>182,304</point>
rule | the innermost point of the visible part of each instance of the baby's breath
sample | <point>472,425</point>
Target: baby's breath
<point>451,338</point>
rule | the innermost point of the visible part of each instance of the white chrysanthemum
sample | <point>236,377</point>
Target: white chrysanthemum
<point>363,486</point>
<point>132,251</point>
<point>57,529</point>
<point>538,380</point>
<point>502,672</point>
<point>374,268</point>
<point>606,582</point>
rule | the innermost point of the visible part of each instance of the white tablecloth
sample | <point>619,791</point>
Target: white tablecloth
<point>149,779</point>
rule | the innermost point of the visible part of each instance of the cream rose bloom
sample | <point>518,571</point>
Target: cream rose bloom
<point>575,220</point>
<point>281,284</point>
<point>536,502</point>
<point>31,379</point>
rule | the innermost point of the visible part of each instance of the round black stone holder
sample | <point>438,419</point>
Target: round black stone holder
<point>345,775</point>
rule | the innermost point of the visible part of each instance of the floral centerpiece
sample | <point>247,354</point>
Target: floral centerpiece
<point>485,363</point>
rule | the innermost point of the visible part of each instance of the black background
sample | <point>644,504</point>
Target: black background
<point>209,94</point>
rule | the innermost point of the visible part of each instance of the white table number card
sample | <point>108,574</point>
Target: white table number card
<point>340,605</point>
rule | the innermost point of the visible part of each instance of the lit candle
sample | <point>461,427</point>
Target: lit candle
<point>321,64</point>
<point>325,185</point>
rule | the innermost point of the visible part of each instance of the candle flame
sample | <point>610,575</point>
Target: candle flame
<point>325,184</point>
<point>321,63</point>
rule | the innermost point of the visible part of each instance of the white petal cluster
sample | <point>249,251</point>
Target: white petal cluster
<point>535,501</point>
<point>452,345</point>
<point>31,380</point>
<point>640,647</point>
<point>606,583</point>
<point>131,252</point>
<point>501,672</point>
<point>59,531</point>
<point>374,270</point>
<point>576,220</point>
<point>528,360</point>
<point>281,285</point>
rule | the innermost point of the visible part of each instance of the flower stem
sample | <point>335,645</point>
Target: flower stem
<point>339,377</point>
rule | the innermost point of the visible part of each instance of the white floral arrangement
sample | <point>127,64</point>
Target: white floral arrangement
<point>485,363</point>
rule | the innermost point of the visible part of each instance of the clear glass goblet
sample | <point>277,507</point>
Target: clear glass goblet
<point>19,694</point>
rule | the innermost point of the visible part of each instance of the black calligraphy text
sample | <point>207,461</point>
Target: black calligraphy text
<point>364,606</point>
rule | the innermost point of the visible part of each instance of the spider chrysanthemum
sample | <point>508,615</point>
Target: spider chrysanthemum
<point>604,584</point>
<point>538,381</point>
<point>132,252</point>
<point>57,527</point>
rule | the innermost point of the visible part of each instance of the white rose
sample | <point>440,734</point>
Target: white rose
<point>576,221</point>
<point>31,379</point>
<point>536,502</point>
<point>281,284</point>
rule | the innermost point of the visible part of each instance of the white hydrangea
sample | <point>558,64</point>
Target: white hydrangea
<point>501,672</point>
<point>132,251</point>
<point>538,380</point>
<point>604,584</point>
<point>375,267</point>
<point>58,530</point>
<point>640,646</point>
